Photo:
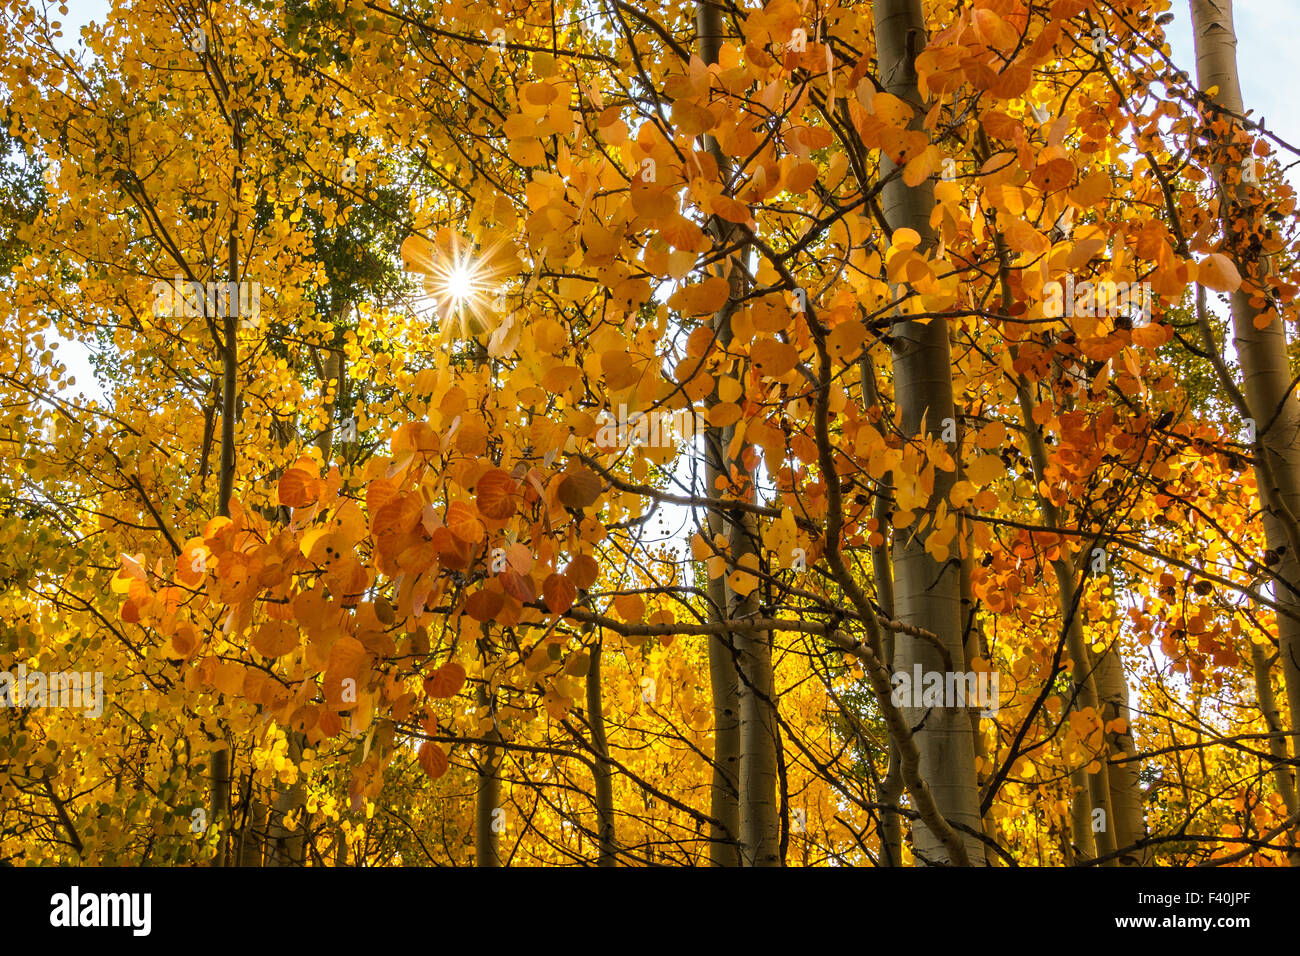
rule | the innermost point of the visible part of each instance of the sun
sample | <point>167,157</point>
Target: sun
<point>458,290</point>
<point>460,283</point>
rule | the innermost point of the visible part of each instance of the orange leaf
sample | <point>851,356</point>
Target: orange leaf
<point>463,523</point>
<point>347,657</point>
<point>484,605</point>
<point>992,30</point>
<point>297,488</point>
<point>1149,336</point>
<point>845,340</point>
<point>495,494</point>
<point>1216,271</point>
<point>399,515</point>
<point>518,586</point>
<point>773,358</point>
<point>1053,175</point>
<point>1001,126</point>
<point>582,571</point>
<point>519,558</point>
<point>704,298</point>
<point>724,414</point>
<point>329,723</point>
<point>1022,237</point>
<point>559,593</point>
<point>432,759</point>
<point>446,681</point>
<point>275,639</point>
<point>920,168</point>
<point>417,254</point>
<point>1091,190</point>
<point>630,607</point>
<point>346,662</point>
<point>800,178</point>
<point>729,209</point>
<point>579,489</point>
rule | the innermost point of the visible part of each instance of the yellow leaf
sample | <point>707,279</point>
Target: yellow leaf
<point>919,169</point>
<point>984,470</point>
<point>700,549</point>
<point>275,639</point>
<point>1216,271</point>
<point>446,681</point>
<point>724,414</point>
<point>729,209</point>
<point>417,254</point>
<point>742,581</point>
<point>961,493</point>
<point>773,358</point>
<point>630,607</point>
<point>906,238</point>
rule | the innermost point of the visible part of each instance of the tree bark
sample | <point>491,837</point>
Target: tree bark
<point>882,574</point>
<point>488,796</point>
<point>602,772</point>
<point>1129,820</point>
<point>926,592</point>
<point>752,650</point>
<point>1083,846</point>
<point>1273,720</point>
<point>250,834</point>
<point>229,349</point>
<point>724,791</point>
<point>1262,353</point>
<point>287,846</point>
<point>332,368</point>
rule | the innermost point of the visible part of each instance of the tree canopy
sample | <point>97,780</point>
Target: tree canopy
<point>574,433</point>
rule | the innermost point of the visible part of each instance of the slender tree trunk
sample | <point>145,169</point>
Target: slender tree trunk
<point>1262,354</point>
<point>1092,791</point>
<point>757,770</point>
<point>926,592</point>
<point>724,792</point>
<point>230,361</point>
<point>1084,846</point>
<point>332,368</point>
<point>1129,819</point>
<point>489,815</point>
<point>891,787</point>
<point>760,831</point>
<point>603,772</point>
<point>1268,707</point>
<point>973,642</point>
<point>1071,608</point>
<point>250,834</point>
<point>219,808</point>
<point>229,349</point>
<point>487,807</point>
<point>975,646</point>
<point>1086,698</point>
<point>286,846</point>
